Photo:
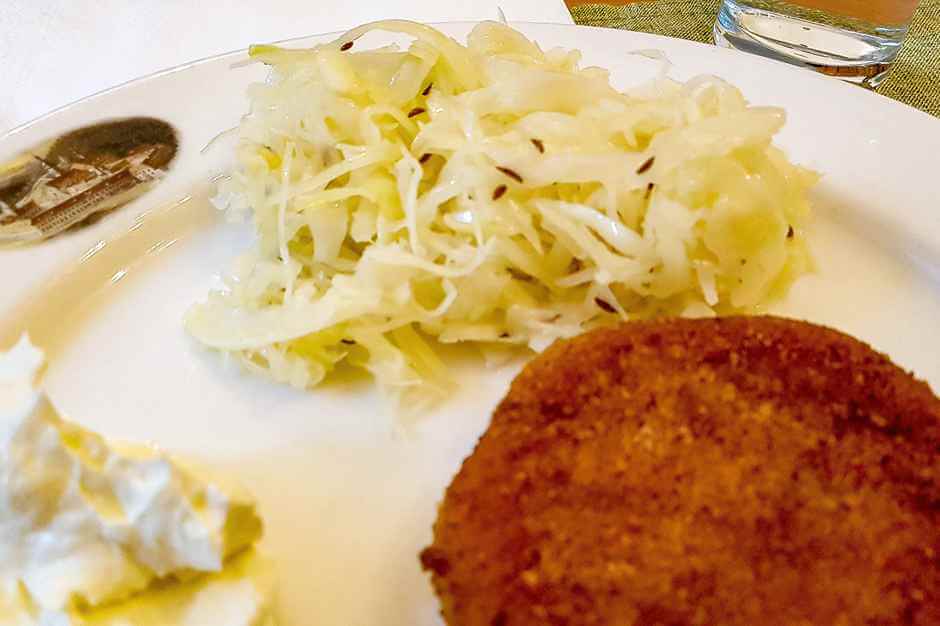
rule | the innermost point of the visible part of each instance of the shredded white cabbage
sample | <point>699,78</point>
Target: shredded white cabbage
<point>493,193</point>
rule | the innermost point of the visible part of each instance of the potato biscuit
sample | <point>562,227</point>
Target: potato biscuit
<point>743,470</point>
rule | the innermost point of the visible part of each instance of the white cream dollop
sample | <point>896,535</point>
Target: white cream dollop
<point>85,524</point>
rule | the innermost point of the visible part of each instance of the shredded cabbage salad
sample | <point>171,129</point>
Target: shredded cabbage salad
<point>493,193</point>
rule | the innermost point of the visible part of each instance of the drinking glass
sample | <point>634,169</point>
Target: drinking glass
<point>856,40</point>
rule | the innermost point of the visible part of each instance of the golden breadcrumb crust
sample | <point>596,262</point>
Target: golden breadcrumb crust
<point>748,470</point>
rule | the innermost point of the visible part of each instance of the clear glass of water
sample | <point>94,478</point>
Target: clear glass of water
<point>856,40</point>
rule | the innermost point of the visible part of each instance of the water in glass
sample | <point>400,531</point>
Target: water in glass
<point>854,39</point>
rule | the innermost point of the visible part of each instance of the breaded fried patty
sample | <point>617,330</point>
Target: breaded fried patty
<point>748,470</point>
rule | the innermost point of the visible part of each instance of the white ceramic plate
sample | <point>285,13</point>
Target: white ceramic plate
<point>349,492</point>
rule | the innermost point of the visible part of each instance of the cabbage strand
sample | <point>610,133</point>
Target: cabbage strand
<point>492,193</point>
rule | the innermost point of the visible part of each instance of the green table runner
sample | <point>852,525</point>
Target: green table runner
<point>914,80</point>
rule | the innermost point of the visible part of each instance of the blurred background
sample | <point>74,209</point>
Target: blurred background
<point>56,51</point>
<point>914,79</point>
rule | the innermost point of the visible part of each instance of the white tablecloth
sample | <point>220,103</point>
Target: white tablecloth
<point>53,52</point>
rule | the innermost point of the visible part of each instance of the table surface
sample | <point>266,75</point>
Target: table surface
<point>914,80</point>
